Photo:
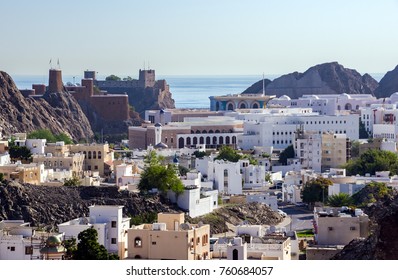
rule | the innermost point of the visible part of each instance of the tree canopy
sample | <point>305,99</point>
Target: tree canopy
<point>18,152</point>
<point>88,247</point>
<point>113,78</point>
<point>371,161</point>
<point>341,199</point>
<point>49,136</point>
<point>229,154</point>
<point>286,153</point>
<point>72,182</point>
<point>316,190</point>
<point>372,192</point>
<point>160,176</point>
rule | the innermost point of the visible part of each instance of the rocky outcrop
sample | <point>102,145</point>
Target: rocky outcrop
<point>252,213</point>
<point>257,87</point>
<point>327,78</point>
<point>48,206</point>
<point>388,84</point>
<point>58,112</point>
<point>382,243</point>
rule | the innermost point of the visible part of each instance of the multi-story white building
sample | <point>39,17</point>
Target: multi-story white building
<point>277,126</point>
<point>108,221</point>
<point>308,148</point>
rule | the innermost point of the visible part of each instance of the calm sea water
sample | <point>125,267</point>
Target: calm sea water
<point>187,91</point>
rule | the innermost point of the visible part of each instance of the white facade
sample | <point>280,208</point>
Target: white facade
<point>109,223</point>
<point>276,127</point>
<point>36,146</point>
<point>125,175</point>
<point>291,193</point>
<point>198,197</point>
<point>264,198</point>
<point>308,148</point>
<point>5,159</point>
<point>349,189</point>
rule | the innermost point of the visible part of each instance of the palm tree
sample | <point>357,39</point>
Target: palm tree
<point>338,200</point>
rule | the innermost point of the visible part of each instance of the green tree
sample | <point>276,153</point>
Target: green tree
<point>18,152</point>
<point>128,78</point>
<point>160,176</point>
<point>88,247</point>
<point>286,154</point>
<point>355,149</point>
<point>43,134</point>
<point>229,154</point>
<point>72,182</point>
<point>112,78</point>
<point>182,170</point>
<point>71,247</point>
<point>64,137</point>
<point>372,192</point>
<point>371,161</point>
<point>316,190</point>
<point>341,199</point>
<point>199,154</point>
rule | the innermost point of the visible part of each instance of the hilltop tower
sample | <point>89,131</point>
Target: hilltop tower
<point>55,83</point>
<point>146,78</point>
<point>88,74</point>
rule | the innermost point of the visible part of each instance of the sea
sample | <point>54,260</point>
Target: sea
<point>187,91</point>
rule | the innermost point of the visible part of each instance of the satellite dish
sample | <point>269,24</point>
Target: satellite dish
<point>185,226</point>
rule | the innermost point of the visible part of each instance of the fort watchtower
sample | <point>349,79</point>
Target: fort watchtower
<point>146,78</point>
<point>55,83</point>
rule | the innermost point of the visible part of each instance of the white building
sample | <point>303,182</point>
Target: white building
<point>277,127</point>
<point>108,221</point>
<point>5,159</point>
<point>308,148</point>
<point>19,241</point>
<point>325,104</point>
<point>198,197</point>
<point>36,146</point>
<point>264,198</point>
<point>125,175</point>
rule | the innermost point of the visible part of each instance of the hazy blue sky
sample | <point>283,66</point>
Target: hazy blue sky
<point>187,37</point>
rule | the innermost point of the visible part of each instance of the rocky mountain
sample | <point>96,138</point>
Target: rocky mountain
<point>388,84</point>
<point>326,78</point>
<point>58,112</point>
<point>257,87</point>
<point>48,206</point>
<point>382,243</point>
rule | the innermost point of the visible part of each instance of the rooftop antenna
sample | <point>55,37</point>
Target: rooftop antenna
<point>59,65</point>
<point>51,66</point>
<point>263,85</point>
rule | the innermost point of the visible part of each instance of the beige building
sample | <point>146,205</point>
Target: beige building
<point>97,157</point>
<point>66,161</point>
<point>24,173</point>
<point>170,238</point>
<point>339,226</point>
<point>213,131</point>
<point>336,150</point>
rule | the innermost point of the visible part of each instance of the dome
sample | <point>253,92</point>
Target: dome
<point>284,97</point>
<point>314,96</point>
<point>394,97</point>
<point>158,125</point>
<point>53,241</point>
<point>345,96</point>
<point>161,146</point>
<point>161,111</point>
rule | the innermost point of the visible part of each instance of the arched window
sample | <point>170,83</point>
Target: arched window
<point>195,140</point>
<point>227,140</point>
<point>180,142</point>
<point>204,131</point>
<point>255,105</point>
<point>215,140</point>
<point>197,131</point>
<point>217,131</point>
<point>348,106</point>
<point>217,106</point>
<point>221,140</point>
<point>208,140</point>
<point>94,155</point>
<point>89,154</point>
<point>201,140</point>
<point>99,155</point>
<point>189,141</point>
<point>233,139</point>
<point>230,106</point>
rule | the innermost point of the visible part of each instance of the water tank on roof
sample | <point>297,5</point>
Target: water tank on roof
<point>358,212</point>
<point>159,226</point>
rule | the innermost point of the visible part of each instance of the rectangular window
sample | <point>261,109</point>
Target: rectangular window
<point>113,240</point>
<point>12,249</point>
<point>153,242</point>
<point>330,228</point>
<point>95,167</point>
<point>28,250</point>
<point>113,224</point>
<point>352,228</point>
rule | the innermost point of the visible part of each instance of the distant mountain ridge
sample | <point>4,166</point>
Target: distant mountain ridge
<point>58,112</point>
<point>326,78</point>
<point>388,84</point>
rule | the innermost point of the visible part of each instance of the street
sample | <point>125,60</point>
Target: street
<point>301,217</point>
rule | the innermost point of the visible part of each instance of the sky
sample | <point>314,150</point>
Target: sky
<point>206,37</point>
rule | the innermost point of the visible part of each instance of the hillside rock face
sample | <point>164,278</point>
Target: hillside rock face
<point>257,87</point>
<point>327,78</point>
<point>388,84</point>
<point>48,206</point>
<point>58,112</point>
<point>382,244</point>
